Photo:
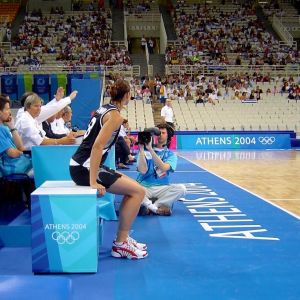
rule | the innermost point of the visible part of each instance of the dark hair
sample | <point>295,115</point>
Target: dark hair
<point>3,101</point>
<point>24,97</point>
<point>170,131</point>
<point>119,89</point>
<point>162,126</point>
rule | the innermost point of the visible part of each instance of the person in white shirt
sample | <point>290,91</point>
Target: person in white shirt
<point>50,108</point>
<point>67,117</point>
<point>58,125</point>
<point>167,113</point>
<point>213,97</point>
<point>31,130</point>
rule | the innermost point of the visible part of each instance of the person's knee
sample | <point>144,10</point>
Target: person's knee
<point>142,192</point>
<point>180,189</point>
<point>138,193</point>
<point>183,188</point>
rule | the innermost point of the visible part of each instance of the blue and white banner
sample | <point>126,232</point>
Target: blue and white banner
<point>41,86</point>
<point>234,141</point>
<point>9,86</point>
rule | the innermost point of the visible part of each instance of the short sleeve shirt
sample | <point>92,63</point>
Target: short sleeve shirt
<point>150,178</point>
<point>6,141</point>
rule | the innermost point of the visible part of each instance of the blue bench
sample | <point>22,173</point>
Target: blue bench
<point>24,287</point>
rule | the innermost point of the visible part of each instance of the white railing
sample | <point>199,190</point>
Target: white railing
<point>179,44</point>
<point>283,70</point>
<point>282,30</point>
<point>150,71</point>
<point>5,46</point>
<point>292,19</point>
<point>136,70</point>
<point>118,44</point>
<point>112,70</point>
<point>73,13</point>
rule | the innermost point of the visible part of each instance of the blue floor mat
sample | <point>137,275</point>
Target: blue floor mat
<point>222,242</point>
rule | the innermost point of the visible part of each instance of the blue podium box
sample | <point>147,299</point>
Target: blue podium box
<point>64,228</point>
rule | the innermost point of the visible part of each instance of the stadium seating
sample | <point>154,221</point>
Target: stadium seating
<point>9,10</point>
<point>270,113</point>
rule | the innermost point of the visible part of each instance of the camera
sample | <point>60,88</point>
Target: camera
<point>144,137</point>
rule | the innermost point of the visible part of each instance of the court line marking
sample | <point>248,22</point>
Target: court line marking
<point>268,201</point>
<point>203,171</point>
<point>297,199</point>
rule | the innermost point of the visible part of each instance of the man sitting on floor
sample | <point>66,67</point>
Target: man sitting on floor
<point>154,167</point>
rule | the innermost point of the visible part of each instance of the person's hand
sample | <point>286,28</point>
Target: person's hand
<point>101,189</point>
<point>149,145</point>
<point>141,146</point>
<point>10,123</point>
<point>79,133</point>
<point>68,140</point>
<point>73,95</point>
<point>71,135</point>
<point>59,93</point>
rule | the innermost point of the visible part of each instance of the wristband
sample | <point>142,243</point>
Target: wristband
<point>13,129</point>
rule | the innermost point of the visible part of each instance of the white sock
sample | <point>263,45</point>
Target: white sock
<point>119,243</point>
<point>152,207</point>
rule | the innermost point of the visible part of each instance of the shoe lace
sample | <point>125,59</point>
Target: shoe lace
<point>131,246</point>
<point>131,240</point>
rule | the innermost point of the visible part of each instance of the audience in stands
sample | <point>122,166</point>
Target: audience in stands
<point>206,35</point>
<point>77,39</point>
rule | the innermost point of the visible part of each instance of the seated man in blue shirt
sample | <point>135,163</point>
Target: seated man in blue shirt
<point>154,167</point>
<point>12,159</point>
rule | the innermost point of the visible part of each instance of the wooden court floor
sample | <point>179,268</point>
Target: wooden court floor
<point>272,175</point>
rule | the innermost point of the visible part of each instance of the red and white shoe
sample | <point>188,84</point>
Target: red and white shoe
<point>127,250</point>
<point>136,244</point>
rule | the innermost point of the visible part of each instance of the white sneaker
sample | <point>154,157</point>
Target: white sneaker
<point>127,250</point>
<point>136,244</point>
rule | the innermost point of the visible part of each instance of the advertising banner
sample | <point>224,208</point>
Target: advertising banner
<point>41,86</point>
<point>9,86</point>
<point>234,141</point>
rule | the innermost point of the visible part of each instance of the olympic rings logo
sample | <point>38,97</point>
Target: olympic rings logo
<point>266,140</point>
<point>65,237</point>
<point>41,81</point>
